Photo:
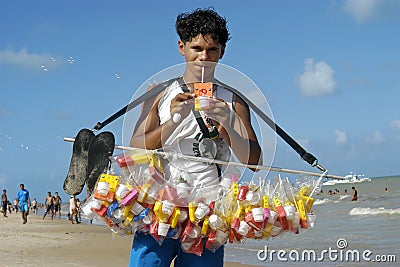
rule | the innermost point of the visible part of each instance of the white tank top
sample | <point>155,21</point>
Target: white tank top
<point>184,140</point>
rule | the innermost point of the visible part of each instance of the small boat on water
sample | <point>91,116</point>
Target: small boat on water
<point>349,179</point>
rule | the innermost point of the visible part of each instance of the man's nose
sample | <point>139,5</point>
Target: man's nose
<point>203,55</point>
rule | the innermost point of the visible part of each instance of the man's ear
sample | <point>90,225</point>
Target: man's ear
<point>222,51</point>
<point>181,47</point>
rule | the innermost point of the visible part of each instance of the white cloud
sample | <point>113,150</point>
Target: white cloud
<point>375,138</point>
<point>317,78</point>
<point>340,137</point>
<point>395,124</point>
<point>24,59</point>
<point>363,10</point>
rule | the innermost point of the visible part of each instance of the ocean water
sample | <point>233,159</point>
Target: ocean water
<point>368,228</point>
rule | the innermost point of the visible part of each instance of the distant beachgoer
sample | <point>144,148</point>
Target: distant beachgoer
<point>9,205</point>
<point>386,189</point>
<point>78,208</point>
<point>34,206</point>
<point>345,191</point>
<point>355,197</point>
<point>23,202</point>
<point>4,202</point>
<point>57,204</point>
<point>15,205</point>
<point>72,210</point>
<point>49,202</point>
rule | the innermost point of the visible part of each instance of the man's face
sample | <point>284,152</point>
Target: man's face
<point>199,50</point>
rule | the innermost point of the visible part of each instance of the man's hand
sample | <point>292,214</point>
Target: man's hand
<point>182,104</point>
<point>220,112</point>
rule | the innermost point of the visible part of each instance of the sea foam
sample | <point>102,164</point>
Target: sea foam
<point>321,201</point>
<point>374,211</point>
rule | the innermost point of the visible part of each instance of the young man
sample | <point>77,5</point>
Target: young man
<point>34,206</point>
<point>49,203</point>
<point>57,205</point>
<point>4,202</point>
<point>167,120</point>
<point>72,210</point>
<point>23,202</point>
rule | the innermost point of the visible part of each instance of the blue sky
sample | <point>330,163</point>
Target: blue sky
<point>330,71</point>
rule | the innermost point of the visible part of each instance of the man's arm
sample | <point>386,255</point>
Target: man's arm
<point>148,133</point>
<point>240,134</point>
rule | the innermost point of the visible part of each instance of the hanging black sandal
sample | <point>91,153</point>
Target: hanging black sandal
<point>78,168</point>
<point>100,151</point>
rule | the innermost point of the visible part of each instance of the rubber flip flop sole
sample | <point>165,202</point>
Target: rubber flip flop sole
<point>78,168</point>
<point>100,151</point>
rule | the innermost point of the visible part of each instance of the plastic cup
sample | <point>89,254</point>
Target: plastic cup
<point>253,197</point>
<point>119,214</point>
<point>196,230</point>
<point>182,190</point>
<point>122,191</point>
<point>148,219</point>
<point>275,230</point>
<point>152,196</point>
<point>137,208</point>
<point>183,216</point>
<point>87,211</point>
<point>258,214</point>
<point>226,183</point>
<point>272,217</point>
<point>311,219</point>
<point>214,222</point>
<point>201,211</point>
<point>163,228</point>
<point>243,228</point>
<point>95,204</point>
<point>289,209</point>
<point>103,188</point>
<point>167,207</point>
<point>204,102</point>
<point>221,237</point>
<point>187,244</point>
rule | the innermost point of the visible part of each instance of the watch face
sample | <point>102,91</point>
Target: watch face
<point>208,148</point>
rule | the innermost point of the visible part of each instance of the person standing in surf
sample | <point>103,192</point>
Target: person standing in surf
<point>168,120</point>
<point>355,197</point>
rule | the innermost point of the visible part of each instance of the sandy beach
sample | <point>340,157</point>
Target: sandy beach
<point>60,243</point>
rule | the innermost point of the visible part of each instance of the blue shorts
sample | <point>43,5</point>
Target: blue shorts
<point>147,252</point>
<point>23,206</point>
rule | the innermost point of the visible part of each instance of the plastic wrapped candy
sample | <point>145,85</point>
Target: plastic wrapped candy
<point>140,199</point>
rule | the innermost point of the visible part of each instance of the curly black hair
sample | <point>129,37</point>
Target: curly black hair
<point>202,21</point>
